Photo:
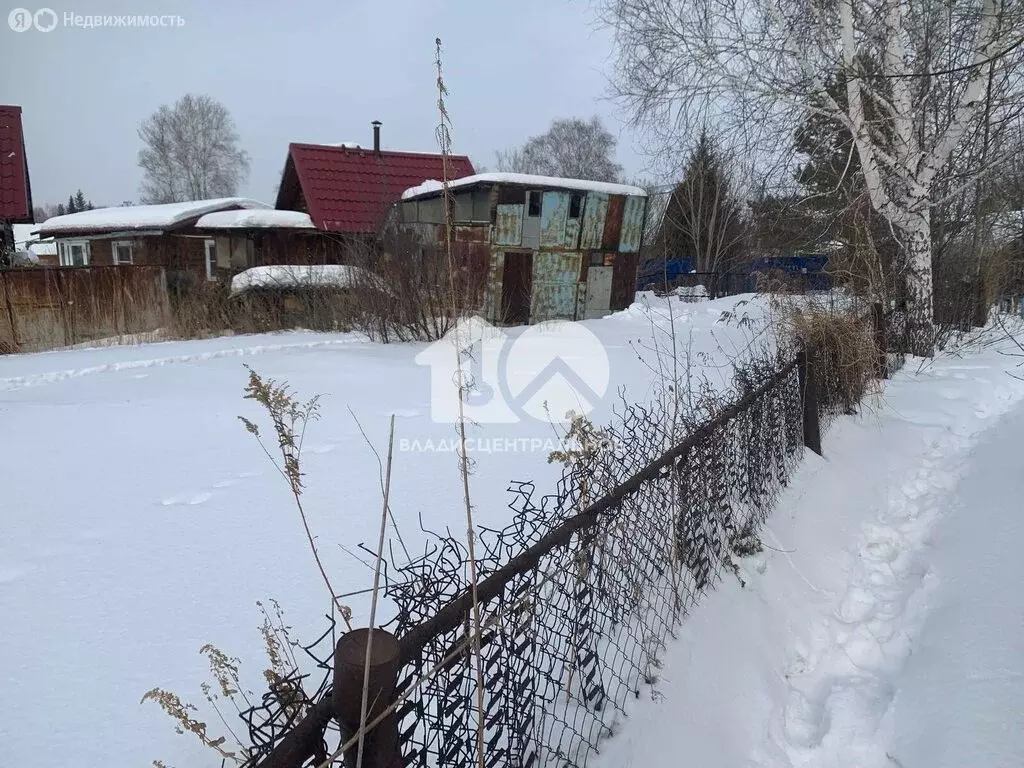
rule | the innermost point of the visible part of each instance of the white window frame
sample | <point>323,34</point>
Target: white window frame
<point>64,250</point>
<point>122,243</point>
<point>210,247</point>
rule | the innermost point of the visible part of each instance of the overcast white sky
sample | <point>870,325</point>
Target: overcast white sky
<point>312,70</point>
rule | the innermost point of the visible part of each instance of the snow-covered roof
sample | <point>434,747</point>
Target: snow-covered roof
<point>293,276</point>
<point>23,235</point>
<point>25,240</point>
<point>142,217</point>
<point>432,186</point>
<point>258,218</point>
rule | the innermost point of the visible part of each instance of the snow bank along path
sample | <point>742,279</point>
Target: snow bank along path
<point>803,665</point>
<point>961,699</point>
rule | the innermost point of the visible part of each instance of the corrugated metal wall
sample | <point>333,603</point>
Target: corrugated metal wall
<point>555,277</point>
<point>594,214</point>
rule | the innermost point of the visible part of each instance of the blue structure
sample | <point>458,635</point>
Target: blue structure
<point>667,273</point>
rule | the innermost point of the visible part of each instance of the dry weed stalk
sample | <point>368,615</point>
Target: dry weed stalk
<point>282,678</point>
<point>290,418</point>
<point>444,142</point>
<point>363,707</point>
<point>181,712</point>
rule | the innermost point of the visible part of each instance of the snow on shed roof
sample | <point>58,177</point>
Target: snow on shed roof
<point>295,276</point>
<point>142,217</point>
<point>433,186</point>
<point>258,218</point>
<point>25,240</point>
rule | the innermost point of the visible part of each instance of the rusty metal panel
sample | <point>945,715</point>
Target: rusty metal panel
<point>553,213</point>
<point>632,224</point>
<point>471,233</point>
<point>492,290</point>
<point>594,214</point>
<point>613,223</point>
<point>572,233</point>
<point>554,293</point>
<point>581,300</point>
<point>624,280</point>
<point>508,229</point>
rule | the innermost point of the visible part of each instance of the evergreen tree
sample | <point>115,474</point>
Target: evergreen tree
<point>72,206</point>
<point>81,204</point>
<point>704,220</point>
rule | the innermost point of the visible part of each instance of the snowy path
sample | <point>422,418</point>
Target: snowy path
<point>801,666</point>
<point>961,699</point>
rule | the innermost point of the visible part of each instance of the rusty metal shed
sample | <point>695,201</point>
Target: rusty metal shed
<point>559,249</point>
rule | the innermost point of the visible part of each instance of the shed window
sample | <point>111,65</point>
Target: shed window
<point>409,213</point>
<point>463,208</point>
<point>533,201</point>
<point>123,252</point>
<point>431,211</point>
<point>575,206</point>
<point>211,259</point>
<point>74,253</point>
<point>482,204</point>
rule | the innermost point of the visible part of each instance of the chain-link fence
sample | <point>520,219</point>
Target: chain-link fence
<point>577,595</point>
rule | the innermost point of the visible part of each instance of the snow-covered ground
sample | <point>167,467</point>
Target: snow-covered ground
<point>141,520</point>
<point>882,625</point>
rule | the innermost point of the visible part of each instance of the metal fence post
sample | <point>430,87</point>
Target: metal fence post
<point>881,343</point>
<point>809,400</point>
<point>380,746</point>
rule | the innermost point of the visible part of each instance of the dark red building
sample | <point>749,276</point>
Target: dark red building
<point>15,190</point>
<point>349,190</point>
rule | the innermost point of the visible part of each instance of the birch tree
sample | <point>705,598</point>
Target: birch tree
<point>756,67</point>
<point>190,152</point>
<point>571,149</point>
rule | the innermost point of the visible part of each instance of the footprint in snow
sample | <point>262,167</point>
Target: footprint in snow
<point>318,449</point>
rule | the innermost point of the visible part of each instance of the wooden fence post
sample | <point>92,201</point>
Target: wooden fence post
<point>380,746</point>
<point>881,343</point>
<point>809,400</point>
<point>15,346</point>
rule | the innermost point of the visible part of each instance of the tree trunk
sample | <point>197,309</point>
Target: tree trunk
<point>917,245</point>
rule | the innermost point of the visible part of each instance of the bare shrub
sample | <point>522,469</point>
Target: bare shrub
<point>404,291</point>
<point>199,309</point>
<point>841,343</point>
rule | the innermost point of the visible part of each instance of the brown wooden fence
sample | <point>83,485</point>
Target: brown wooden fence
<point>47,308</point>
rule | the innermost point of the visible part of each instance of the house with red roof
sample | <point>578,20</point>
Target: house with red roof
<point>329,196</point>
<point>349,190</point>
<point>15,189</point>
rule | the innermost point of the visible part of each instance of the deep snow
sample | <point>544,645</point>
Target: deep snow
<point>814,662</point>
<point>961,698</point>
<point>142,521</point>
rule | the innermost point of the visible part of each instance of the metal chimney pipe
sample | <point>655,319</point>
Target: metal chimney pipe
<point>376,135</point>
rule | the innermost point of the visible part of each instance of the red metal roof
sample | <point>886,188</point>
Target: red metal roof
<point>15,194</point>
<point>349,190</point>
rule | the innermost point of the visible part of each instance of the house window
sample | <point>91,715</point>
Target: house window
<point>533,201</point>
<point>123,252</point>
<point>211,259</point>
<point>575,206</point>
<point>74,253</point>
